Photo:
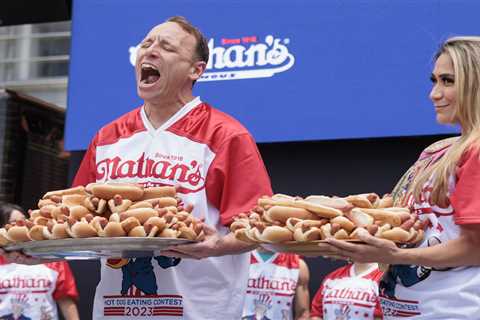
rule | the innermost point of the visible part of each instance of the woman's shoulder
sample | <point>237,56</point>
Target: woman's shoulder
<point>439,145</point>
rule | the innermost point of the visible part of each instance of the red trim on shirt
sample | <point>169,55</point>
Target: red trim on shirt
<point>287,260</point>
<point>465,200</point>
<point>65,286</point>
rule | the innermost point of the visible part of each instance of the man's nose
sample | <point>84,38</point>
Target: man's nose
<point>153,49</point>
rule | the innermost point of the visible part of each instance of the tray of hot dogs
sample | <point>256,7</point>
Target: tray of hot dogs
<point>283,223</point>
<point>94,248</point>
<point>103,220</point>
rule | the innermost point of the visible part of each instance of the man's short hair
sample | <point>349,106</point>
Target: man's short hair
<point>201,49</point>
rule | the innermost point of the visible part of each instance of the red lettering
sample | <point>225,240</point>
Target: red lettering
<point>230,41</point>
<point>251,39</point>
<point>128,173</point>
<point>110,169</point>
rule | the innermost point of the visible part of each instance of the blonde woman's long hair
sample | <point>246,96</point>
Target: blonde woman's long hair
<point>465,55</point>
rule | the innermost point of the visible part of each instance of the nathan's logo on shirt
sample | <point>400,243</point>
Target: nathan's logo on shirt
<point>243,58</point>
<point>24,283</point>
<point>287,285</point>
<point>175,170</point>
<point>357,294</point>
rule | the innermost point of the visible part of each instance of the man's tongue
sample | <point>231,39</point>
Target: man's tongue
<point>152,78</point>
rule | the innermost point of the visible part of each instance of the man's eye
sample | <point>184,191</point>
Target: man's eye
<point>145,44</point>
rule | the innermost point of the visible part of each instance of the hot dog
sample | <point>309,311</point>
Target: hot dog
<point>277,200</point>
<point>117,204</point>
<point>18,233</point>
<point>320,210</point>
<point>73,199</point>
<point>365,200</point>
<point>77,190</point>
<point>281,214</point>
<point>158,192</point>
<point>332,202</point>
<point>275,234</point>
<point>141,214</point>
<point>109,190</point>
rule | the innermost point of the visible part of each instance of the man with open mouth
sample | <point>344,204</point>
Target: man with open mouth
<point>176,139</point>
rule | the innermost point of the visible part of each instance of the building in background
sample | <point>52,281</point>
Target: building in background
<point>33,89</point>
<point>34,60</point>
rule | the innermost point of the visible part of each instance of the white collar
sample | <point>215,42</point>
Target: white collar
<point>177,116</point>
<point>353,272</point>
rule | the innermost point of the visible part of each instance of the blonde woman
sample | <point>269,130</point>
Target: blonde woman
<point>440,279</point>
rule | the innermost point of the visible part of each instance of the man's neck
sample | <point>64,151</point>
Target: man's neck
<point>159,113</point>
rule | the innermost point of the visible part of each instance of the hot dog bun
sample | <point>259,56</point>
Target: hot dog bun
<point>276,234</point>
<point>77,190</point>
<point>281,214</point>
<point>158,192</point>
<point>18,233</point>
<point>320,210</point>
<point>141,214</point>
<point>396,234</point>
<point>108,190</point>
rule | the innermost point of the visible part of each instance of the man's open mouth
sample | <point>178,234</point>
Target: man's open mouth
<point>149,73</point>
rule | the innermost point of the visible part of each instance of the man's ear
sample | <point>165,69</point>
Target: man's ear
<point>197,70</point>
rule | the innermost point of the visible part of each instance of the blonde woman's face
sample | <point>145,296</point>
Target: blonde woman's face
<point>444,93</point>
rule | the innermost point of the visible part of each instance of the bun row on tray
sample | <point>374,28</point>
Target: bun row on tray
<point>282,219</point>
<point>105,210</point>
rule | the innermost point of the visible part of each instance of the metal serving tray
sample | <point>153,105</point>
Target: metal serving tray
<point>96,248</point>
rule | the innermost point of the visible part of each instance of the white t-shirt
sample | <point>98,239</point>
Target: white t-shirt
<point>271,287</point>
<point>344,294</point>
<point>418,292</point>
<point>217,168</point>
<point>29,292</point>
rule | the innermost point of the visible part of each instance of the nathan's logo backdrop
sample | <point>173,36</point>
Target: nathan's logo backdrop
<point>245,57</point>
<point>288,70</point>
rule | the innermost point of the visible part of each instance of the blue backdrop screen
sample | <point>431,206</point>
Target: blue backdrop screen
<point>288,70</point>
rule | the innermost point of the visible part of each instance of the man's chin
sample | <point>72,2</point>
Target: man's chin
<point>147,94</point>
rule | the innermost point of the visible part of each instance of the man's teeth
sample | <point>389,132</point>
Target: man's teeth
<point>148,66</point>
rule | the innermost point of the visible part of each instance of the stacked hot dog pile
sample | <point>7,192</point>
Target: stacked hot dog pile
<point>106,210</point>
<point>282,219</point>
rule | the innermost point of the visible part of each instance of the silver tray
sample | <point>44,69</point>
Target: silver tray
<point>96,248</point>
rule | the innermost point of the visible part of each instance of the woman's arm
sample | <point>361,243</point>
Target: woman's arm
<point>462,251</point>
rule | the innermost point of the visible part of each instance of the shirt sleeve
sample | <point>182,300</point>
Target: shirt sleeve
<point>378,313</point>
<point>317,303</point>
<point>237,177</point>
<point>464,199</point>
<point>87,171</point>
<point>65,286</point>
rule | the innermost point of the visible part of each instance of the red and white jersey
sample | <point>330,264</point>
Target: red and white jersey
<point>29,292</point>
<point>346,295</point>
<point>432,293</point>
<point>271,287</point>
<point>215,164</point>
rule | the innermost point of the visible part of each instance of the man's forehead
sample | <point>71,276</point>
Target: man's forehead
<point>169,30</point>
